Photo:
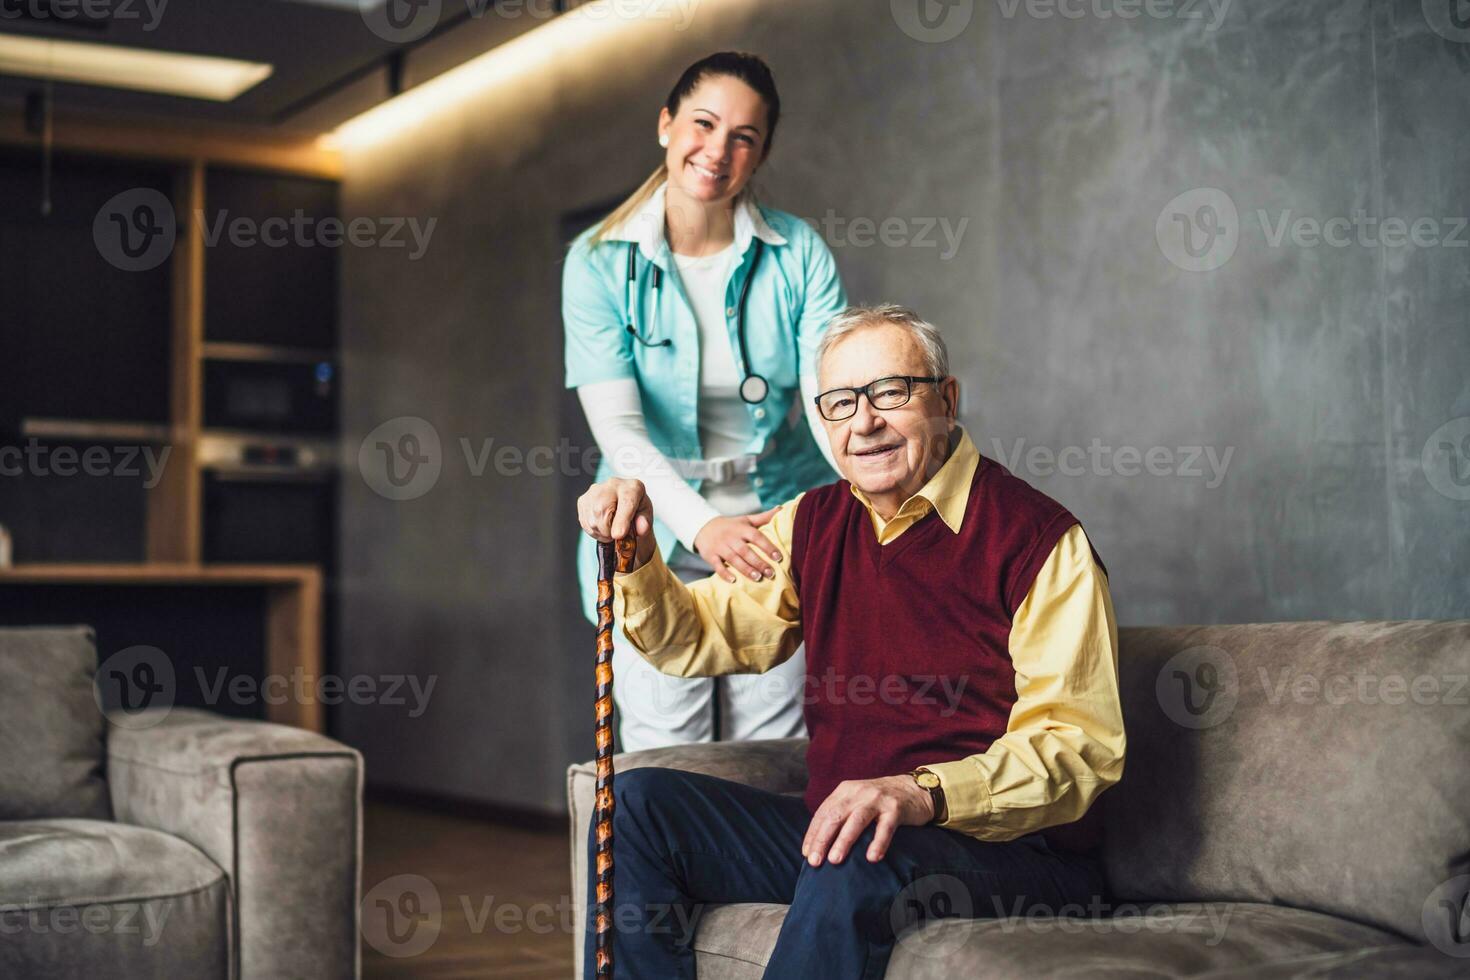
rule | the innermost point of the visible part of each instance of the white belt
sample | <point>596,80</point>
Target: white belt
<point>719,469</point>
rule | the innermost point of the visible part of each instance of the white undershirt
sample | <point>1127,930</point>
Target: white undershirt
<point>614,412</point>
<point>725,428</point>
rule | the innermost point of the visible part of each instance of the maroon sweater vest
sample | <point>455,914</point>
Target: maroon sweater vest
<point>907,643</point>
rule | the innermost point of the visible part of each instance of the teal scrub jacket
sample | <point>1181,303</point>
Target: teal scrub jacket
<point>796,291</point>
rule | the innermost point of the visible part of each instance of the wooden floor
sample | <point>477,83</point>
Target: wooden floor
<point>504,896</point>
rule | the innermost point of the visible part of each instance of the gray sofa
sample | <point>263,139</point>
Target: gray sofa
<point>166,843</point>
<point>1296,802</point>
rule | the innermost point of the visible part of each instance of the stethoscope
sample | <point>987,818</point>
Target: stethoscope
<point>753,387</point>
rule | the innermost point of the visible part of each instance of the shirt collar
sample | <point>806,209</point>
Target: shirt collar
<point>947,491</point>
<point>646,225</point>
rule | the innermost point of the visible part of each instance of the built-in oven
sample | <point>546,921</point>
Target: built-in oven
<point>272,499</point>
<point>269,499</point>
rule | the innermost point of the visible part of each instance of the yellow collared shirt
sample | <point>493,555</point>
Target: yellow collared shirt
<point>1064,741</point>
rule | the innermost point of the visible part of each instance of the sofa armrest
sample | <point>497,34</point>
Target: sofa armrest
<point>777,765</point>
<point>278,808</point>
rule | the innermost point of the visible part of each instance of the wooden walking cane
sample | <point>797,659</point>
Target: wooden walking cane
<point>609,555</point>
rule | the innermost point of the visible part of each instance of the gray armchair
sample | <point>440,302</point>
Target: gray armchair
<point>1294,804</point>
<point>183,845</point>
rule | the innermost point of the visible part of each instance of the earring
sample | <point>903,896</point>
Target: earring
<point>664,140</point>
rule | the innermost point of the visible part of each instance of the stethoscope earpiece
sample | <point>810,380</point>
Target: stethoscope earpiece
<point>753,387</point>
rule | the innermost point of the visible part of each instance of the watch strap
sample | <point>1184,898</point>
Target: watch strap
<point>936,794</point>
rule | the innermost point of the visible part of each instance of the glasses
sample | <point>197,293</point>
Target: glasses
<point>883,394</point>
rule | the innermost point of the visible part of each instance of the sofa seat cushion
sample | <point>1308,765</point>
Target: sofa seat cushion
<point>1401,961</point>
<point>96,898</point>
<point>734,942</point>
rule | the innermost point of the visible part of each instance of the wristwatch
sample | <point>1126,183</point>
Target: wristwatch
<point>930,781</point>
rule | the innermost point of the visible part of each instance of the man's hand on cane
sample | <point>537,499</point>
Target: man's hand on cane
<point>611,511</point>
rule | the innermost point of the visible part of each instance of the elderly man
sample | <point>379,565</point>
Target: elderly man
<point>962,695</point>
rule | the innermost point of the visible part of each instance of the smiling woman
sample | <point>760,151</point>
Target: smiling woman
<point>693,316</point>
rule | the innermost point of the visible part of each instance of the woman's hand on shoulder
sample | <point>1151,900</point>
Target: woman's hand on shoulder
<point>736,544</point>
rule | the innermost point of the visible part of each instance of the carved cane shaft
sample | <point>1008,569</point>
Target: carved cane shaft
<point>610,558</point>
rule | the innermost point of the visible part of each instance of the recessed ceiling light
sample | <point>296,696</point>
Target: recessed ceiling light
<point>195,76</point>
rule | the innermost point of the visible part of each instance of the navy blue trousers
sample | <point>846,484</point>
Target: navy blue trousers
<point>683,839</point>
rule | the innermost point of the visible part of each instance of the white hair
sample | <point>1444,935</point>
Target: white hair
<point>925,334</point>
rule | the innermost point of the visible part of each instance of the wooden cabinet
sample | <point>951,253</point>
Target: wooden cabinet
<point>98,357</point>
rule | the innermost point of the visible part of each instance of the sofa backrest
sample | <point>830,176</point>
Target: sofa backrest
<point>1320,765</point>
<point>52,731</point>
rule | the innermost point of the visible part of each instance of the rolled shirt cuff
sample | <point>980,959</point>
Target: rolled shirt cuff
<point>966,795</point>
<point>636,592</point>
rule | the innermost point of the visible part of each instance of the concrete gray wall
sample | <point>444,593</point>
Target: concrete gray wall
<point>1053,149</point>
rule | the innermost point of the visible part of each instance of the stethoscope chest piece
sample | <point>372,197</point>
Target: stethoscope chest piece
<point>754,389</point>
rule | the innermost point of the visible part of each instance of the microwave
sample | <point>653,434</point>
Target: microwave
<point>298,396</point>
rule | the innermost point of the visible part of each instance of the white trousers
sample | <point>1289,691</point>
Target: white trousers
<point>654,709</point>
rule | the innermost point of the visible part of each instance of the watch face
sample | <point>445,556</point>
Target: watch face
<point>927,779</point>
